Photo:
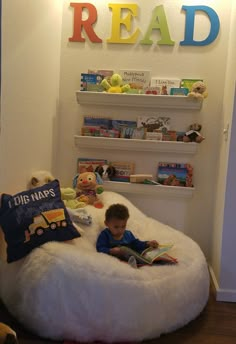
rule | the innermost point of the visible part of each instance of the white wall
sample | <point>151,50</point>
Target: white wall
<point>223,234</point>
<point>196,217</point>
<point>31,38</point>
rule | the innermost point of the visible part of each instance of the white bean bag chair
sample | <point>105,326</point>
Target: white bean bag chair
<point>69,291</point>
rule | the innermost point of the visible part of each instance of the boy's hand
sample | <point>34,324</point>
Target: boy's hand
<point>116,251</point>
<point>153,243</point>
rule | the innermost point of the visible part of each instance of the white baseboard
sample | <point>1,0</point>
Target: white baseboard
<point>225,295</point>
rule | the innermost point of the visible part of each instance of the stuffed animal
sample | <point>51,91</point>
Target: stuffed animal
<point>39,178</point>
<point>68,196</point>
<point>115,85</point>
<point>7,335</point>
<point>193,134</point>
<point>198,90</point>
<point>87,188</point>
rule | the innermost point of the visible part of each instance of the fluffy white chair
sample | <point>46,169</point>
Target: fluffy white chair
<point>69,291</point>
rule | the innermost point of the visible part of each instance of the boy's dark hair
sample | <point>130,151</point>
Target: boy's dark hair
<point>117,211</point>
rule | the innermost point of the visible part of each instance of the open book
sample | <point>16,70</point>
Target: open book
<point>151,255</point>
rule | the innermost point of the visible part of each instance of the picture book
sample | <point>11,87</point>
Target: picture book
<point>155,90</point>
<point>188,83</point>
<point>119,124</point>
<point>101,122</point>
<point>150,255</point>
<point>137,79</point>
<point>179,91</point>
<point>91,82</point>
<point>175,174</point>
<point>154,135</point>
<point>89,165</point>
<point>133,133</point>
<point>169,135</point>
<point>100,132</point>
<point>123,170</point>
<point>105,73</point>
<point>153,123</point>
<point>165,84</point>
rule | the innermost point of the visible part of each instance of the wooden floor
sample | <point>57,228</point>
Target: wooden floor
<point>216,325</point>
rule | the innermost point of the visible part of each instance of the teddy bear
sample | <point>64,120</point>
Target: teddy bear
<point>86,185</point>
<point>198,90</point>
<point>115,84</point>
<point>193,134</point>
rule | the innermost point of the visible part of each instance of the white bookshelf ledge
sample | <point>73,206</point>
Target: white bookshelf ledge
<point>136,145</point>
<point>154,190</point>
<point>140,100</point>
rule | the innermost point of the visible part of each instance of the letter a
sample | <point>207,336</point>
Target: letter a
<point>189,26</point>
<point>158,22</point>
<point>86,24</point>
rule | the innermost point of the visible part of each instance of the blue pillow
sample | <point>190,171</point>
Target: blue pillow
<point>32,218</point>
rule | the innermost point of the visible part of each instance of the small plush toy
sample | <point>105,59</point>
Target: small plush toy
<point>198,90</point>
<point>115,85</point>
<point>68,196</point>
<point>7,335</point>
<point>193,135</point>
<point>87,188</point>
<point>39,178</point>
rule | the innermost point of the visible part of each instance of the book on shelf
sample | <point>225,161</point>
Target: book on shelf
<point>137,79</point>
<point>91,82</point>
<point>89,164</point>
<point>153,123</point>
<point>119,124</point>
<point>188,83</point>
<point>169,135</point>
<point>100,132</point>
<point>123,170</point>
<point>165,85</point>
<point>175,174</point>
<point>133,133</point>
<point>150,255</point>
<point>179,91</point>
<point>105,73</point>
<point>154,135</point>
<point>96,121</point>
<point>155,90</point>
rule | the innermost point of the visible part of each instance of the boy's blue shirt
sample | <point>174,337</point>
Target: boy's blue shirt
<point>105,242</point>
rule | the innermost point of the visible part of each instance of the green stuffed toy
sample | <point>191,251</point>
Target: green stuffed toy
<point>68,196</point>
<point>115,85</point>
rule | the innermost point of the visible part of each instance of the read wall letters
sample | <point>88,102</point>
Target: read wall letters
<point>158,21</point>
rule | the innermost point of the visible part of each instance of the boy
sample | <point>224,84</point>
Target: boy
<point>115,234</point>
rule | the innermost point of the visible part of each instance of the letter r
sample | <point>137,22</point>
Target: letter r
<point>87,24</point>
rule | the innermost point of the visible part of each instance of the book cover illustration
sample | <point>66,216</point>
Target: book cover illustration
<point>150,255</point>
<point>89,164</point>
<point>175,174</point>
<point>137,79</point>
<point>179,91</point>
<point>153,123</point>
<point>188,83</point>
<point>101,122</point>
<point>123,171</point>
<point>91,82</point>
<point>133,133</point>
<point>165,84</point>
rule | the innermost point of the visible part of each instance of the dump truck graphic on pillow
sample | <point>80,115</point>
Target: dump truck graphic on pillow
<point>46,220</point>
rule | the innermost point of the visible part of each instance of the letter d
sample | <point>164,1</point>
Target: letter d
<point>189,25</point>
